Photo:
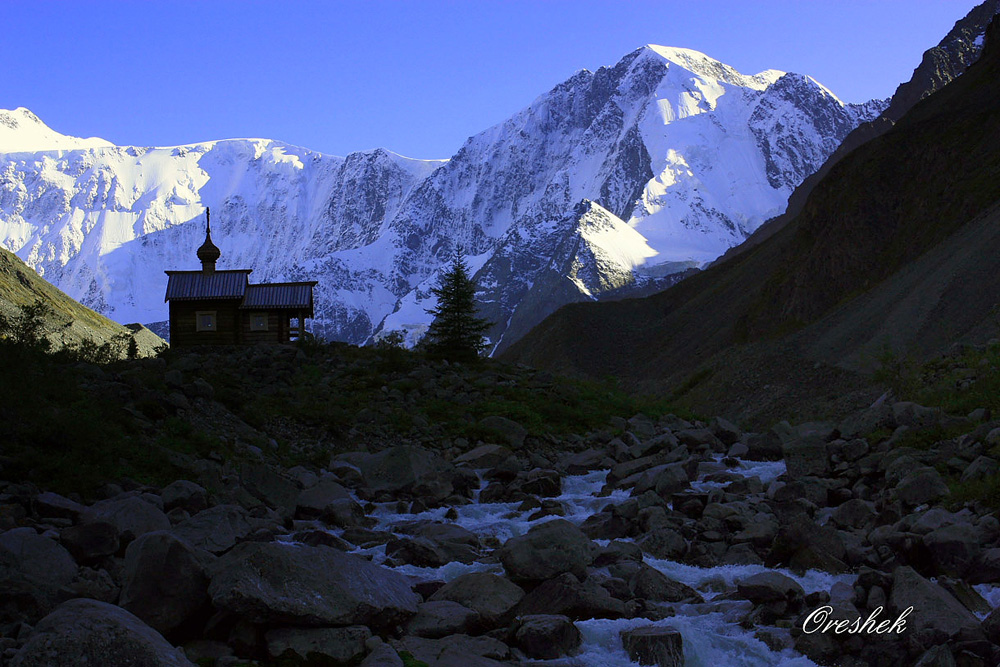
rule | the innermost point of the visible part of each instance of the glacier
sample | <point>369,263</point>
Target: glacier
<point>613,182</point>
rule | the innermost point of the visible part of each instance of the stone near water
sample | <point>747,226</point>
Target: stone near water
<point>88,632</point>
<point>659,646</point>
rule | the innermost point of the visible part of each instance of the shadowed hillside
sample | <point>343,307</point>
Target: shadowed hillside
<point>69,322</point>
<point>896,246</point>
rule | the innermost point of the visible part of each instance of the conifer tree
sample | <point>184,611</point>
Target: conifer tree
<point>456,333</point>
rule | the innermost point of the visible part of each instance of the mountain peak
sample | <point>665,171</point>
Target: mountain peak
<point>699,63</point>
<point>23,131</point>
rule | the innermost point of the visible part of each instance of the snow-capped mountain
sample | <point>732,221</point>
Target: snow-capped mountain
<point>21,130</point>
<point>613,179</point>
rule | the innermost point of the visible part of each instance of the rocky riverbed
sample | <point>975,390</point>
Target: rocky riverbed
<point>656,541</point>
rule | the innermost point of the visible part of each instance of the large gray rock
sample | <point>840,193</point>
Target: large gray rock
<point>933,607</point>
<point>654,645</point>
<point>492,597</point>
<point>920,486</point>
<point>983,467</point>
<point>43,562</point>
<point>270,487</point>
<point>568,596</point>
<point>399,469</point>
<point>314,501</point>
<point>216,529</point>
<point>512,433</point>
<point>275,583</point>
<point>651,584</point>
<point>484,456</point>
<point>52,505</point>
<point>132,516</point>
<point>184,495</point>
<point>547,550</point>
<point>91,541</point>
<point>338,646</point>
<point>165,580</point>
<point>664,543</point>
<point>88,632</point>
<point>456,651</point>
<point>770,587</point>
<point>546,636</point>
<point>953,549</point>
<point>806,457</point>
<point>440,618</point>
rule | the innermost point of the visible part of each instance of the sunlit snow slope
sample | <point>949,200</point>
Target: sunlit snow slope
<point>611,180</point>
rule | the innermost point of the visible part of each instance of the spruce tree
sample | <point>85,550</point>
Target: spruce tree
<point>456,333</point>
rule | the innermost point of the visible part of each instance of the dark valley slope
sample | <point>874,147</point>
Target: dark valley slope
<point>898,245</point>
<point>66,322</point>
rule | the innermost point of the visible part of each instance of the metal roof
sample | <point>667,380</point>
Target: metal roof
<point>295,296</point>
<point>199,285</point>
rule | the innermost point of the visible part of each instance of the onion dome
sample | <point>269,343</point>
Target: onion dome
<point>208,253</point>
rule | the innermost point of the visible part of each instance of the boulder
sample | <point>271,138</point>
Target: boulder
<point>953,549</point>
<point>913,415</point>
<point>270,487</point>
<point>185,495</point>
<point>418,551</point>
<point>651,584</point>
<point>662,646</point>
<point>314,501</point>
<point>216,529</point>
<point>983,467</point>
<point>568,596</point>
<point>546,636</point>
<point>484,456</point>
<point>547,550</point>
<point>39,560</point>
<point>672,479</point>
<point>512,433</point>
<point>89,542</point>
<point>456,651</point>
<point>921,486</point>
<point>664,543</point>
<point>538,482</point>
<point>338,646</point>
<point>769,586</point>
<point>52,505</point>
<point>440,618</point>
<point>165,580</point>
<point>132,516</point>
<point>382,655</point>
<point>854,513</point>
<point>492,597</point>
<point>398,469</point>
<point>934,608</point>
<point>276,582</point>
<point>725,431</point>
<point>88,632</point>
<point>806,457</point>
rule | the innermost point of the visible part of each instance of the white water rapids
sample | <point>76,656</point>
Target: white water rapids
<point>711,631</point>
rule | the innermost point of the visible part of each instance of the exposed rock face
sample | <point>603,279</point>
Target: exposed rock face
<point>88,632</point>
<point>300,585</point>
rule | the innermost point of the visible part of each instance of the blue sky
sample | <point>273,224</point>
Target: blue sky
<point>416,77</point>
